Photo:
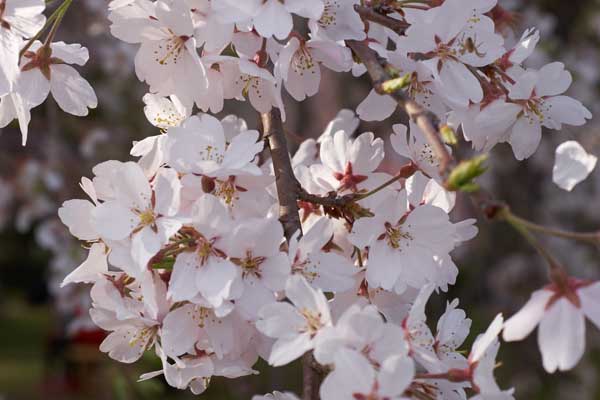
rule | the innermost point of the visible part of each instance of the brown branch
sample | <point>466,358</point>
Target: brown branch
<point>288,190</point>
<point>287,185</point>
<point>332,199</point>
<point>425,120</point>
<point>312,377</point>
<point>368,14</point>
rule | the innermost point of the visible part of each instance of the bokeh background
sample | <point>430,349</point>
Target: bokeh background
<point>49,350</point>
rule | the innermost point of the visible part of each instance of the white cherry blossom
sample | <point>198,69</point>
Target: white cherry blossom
<point>199,146</point>
<point>325,270</point>
<point>299,64</point>
<point>294,326</point>
<point>276,396</point>
<point>138,212</point>
<point>535,100</point>
<point>167,58</point>
<point>45,70</point>
<point>339,21</point>
<point>560,313</point>
<point>19,19</point>
<point>347,163</point>
<point>274,17</point>
<point>572,165</point>
<point>406,247</point>
<point>203,269</point>
<point>355,378</point>
<point>253,247</point>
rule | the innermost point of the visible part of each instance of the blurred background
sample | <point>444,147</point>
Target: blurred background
<point>49,349</point>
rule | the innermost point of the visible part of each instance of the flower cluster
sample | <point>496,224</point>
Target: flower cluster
<point>30,71</point>
<point>187,257</point>
<point>190,254</point>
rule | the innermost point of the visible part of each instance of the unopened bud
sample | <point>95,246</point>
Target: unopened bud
<point>459,375</point>
<point>208,184</point>
<point>448,135</point>
<point>395,84</point>
<point>461,178</point>
<point>357,211</point>
<point>166,264</point>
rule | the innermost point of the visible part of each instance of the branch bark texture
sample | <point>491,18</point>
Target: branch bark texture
<point>287,185</point>
<point>288,190</point>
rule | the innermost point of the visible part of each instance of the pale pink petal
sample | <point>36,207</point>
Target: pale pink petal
<point>561,336</point>
<point>520,325</point>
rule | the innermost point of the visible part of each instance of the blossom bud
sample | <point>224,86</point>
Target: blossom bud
<point>448,135</point>
<point>395,84</point>
<point>461,178</point>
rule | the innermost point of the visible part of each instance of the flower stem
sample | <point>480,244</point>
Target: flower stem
<point>587,237</point>
<point>405,172</point>
<point>556,270</point>
<point>57,14</point>
<point>61,13</point>
<point>425,119</point>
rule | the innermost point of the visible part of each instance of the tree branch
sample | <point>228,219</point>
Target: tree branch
<point>425,120</point>
<point>311,378</point>
<point>288,190</point>
<point>287,185</point>
<point>368,14</point>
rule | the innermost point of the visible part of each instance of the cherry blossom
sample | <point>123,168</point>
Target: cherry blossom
<point>134,323</point>
<point>295,327</point>
<point>415,148</point>
<point>454,36</point>
<point>361,328</point>
<point>560,312</point>
<point>274,17</point>
<point>214,249</point>
<point>535,100</point>
<point>45,70</point>
<point>138,213</point>
<point>257,84</point>
<point>253,247</point>
<point>276,396</point>
<point>572,165</point>
<point>347,163</point>
<point>406,247</point>
<point>328,271</point>
<point>199,146</point>
<point>339,21</point>
<point>167,58</point>
<point>299,64</point>
<point>165,112</point>
<point>203,269</point>
<point>354,377</point>
<point>18,20</point>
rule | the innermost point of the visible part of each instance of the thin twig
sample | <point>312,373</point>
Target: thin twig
<point>425,120</point>
<point>59,12</point>
<point>498,211</point>
<point>555,268</point>
<point>334,200</point>
<point>287,193</point>
<point>406,171</point>
<point>587,237</point>
<point>368,14</point>
<point>330,200</point>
